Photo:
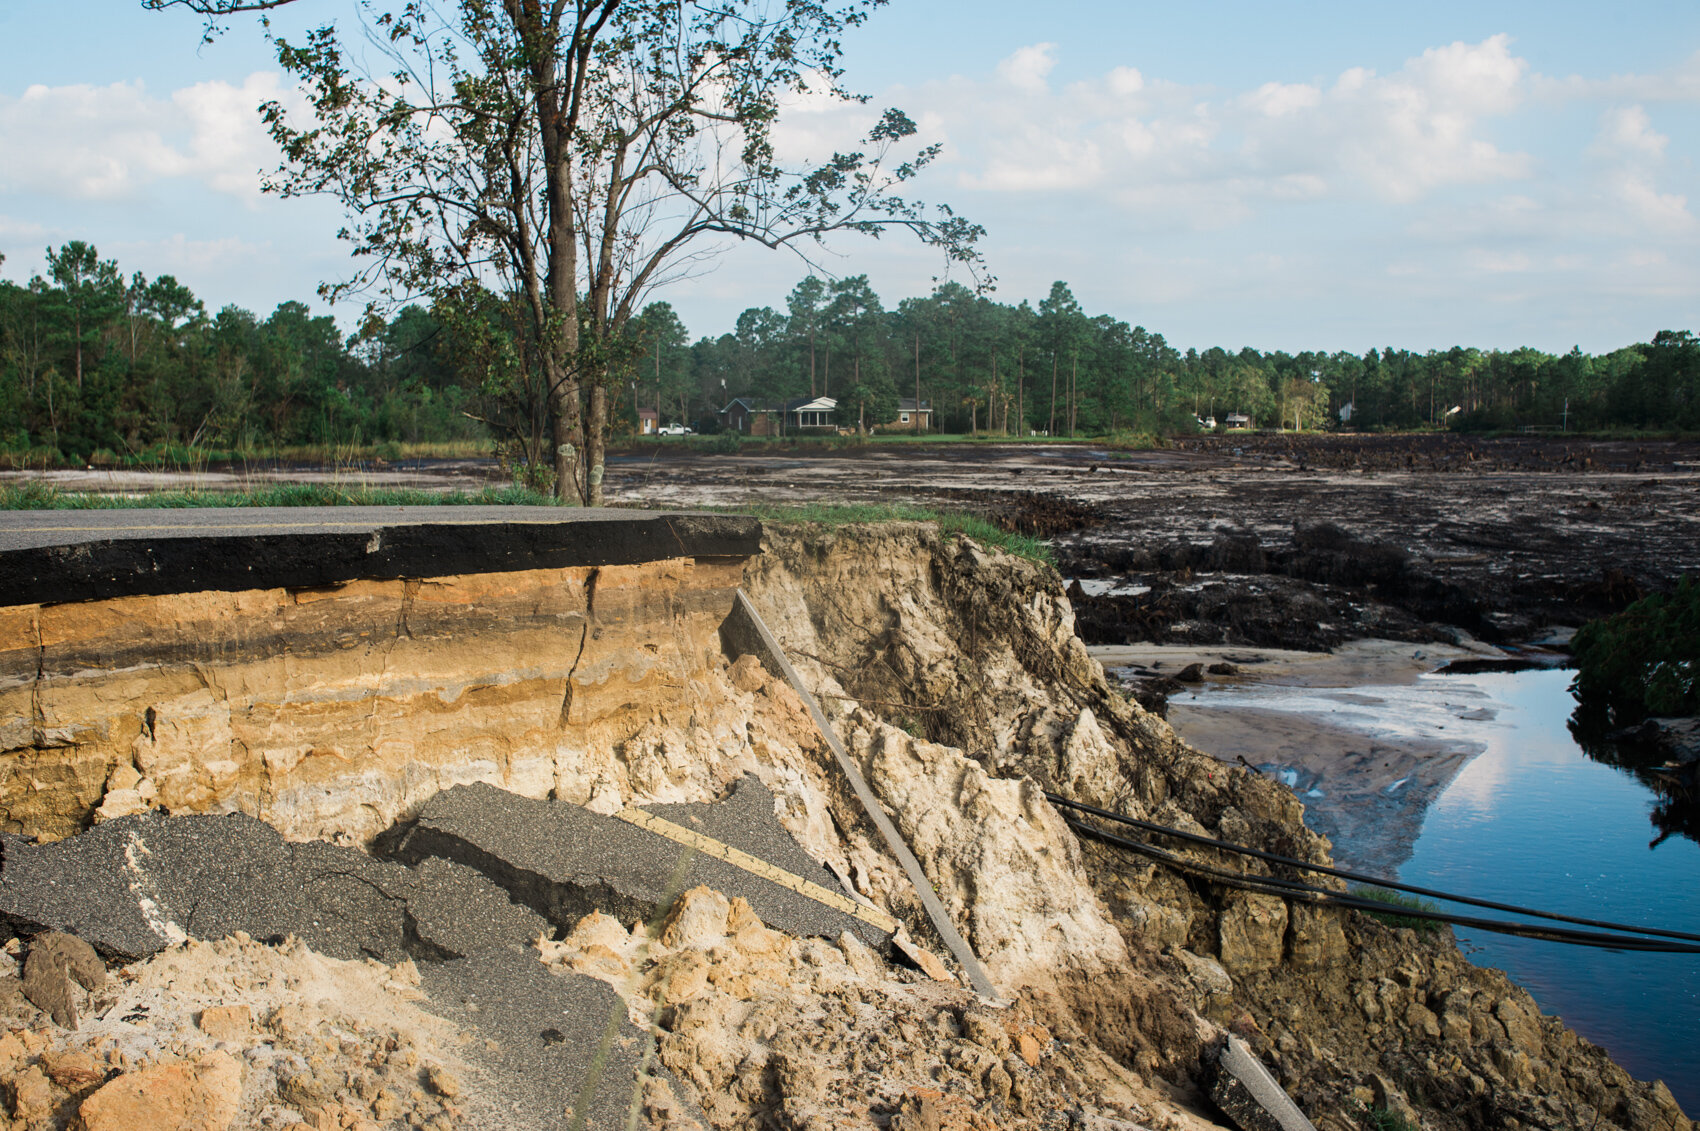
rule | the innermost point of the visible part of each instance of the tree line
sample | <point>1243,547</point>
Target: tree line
<point>94,363</point>
<point>1051,368</point>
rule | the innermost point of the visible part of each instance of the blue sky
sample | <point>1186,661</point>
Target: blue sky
<point>1326,175</point>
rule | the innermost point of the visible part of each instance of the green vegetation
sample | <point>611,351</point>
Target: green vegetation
<point>949,522</point>
<point>534,170</point>
<point>1398,899</point>
<point>1643,661</point>
<point>1380,1119</point>
<point>31,495</point>
<point>96,369</point>
<point>38,496</point>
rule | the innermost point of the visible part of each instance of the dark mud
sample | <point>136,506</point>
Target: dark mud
<point>1277,541</point>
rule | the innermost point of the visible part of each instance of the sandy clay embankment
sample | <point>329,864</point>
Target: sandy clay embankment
<point>340,717</point>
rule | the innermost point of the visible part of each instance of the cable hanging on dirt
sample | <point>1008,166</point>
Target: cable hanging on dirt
<point>1635,938</point>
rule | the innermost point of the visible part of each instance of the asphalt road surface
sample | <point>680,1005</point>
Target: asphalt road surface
<point>50,557</point>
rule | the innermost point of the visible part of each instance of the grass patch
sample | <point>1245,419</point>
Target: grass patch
<point>1394,901</point>
<point>1380,1119</point>
<point>949,522</point>
<point>41,496</point>
<point>181,457</point>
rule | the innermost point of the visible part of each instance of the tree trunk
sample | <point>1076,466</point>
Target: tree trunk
<point>568,433</point>
<point>596,443</point>
<point>1051,428</point>
<point>1021,391</point>
<point>1073,391</point>
<point>917,382</point>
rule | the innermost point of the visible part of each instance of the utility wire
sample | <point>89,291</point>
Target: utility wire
<point>1287,886</point>
<point>1306,893</point>
<point>1359,877</point>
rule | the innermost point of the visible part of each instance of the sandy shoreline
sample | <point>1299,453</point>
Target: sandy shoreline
<point>1338,728</point>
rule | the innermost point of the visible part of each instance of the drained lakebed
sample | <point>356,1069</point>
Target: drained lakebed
<point>1474,784</point>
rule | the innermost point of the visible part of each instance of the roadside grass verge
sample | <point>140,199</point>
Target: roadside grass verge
<point>182,457</point>
<point>33,495</point>
<point>41,496</point>
<point>951,523</point>
<point>1395,900</point>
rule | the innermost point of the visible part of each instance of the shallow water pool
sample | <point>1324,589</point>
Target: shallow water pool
<point>1532,820</point>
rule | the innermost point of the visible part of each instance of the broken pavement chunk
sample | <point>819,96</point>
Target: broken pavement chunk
<point>566,861</point>
<point>456,912</point>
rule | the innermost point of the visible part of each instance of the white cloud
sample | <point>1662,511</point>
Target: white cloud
<point>1627,129</point>
<point>1038,161</point>
<point>13,229</point>
<point>190,258</point>
<point>1028,68</point>
<point>1277,100</point>
<point>1661,212</point>
<point>1500,262</point>
<point>111,142</point>
<point>1208,157</point>
<point>1124,81</point>
<point>1679,84</point>
<point>1632,154</point>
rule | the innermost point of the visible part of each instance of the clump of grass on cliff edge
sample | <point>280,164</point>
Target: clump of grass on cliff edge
<point>1394,901</point>
<point>949,522</point>
<point>36,496</point>
<point>1380,1119</point>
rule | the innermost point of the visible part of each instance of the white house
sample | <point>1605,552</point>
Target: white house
<point>815,415</point>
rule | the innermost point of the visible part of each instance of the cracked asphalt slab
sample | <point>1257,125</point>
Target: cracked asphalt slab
<point>568,861</point>
<point>477,879</point>
<point>559,1047</point>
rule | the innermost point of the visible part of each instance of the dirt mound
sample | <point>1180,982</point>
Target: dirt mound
<point>978,653</point>
<point>267,1035</point>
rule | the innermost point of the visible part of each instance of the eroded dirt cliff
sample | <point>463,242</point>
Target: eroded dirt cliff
<point>954,676</point>
<point>975,653</point>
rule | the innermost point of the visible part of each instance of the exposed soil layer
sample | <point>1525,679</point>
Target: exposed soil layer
<point>955,680</point>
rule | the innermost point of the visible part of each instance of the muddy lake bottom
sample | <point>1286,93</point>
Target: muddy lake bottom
<point>1522,816</point>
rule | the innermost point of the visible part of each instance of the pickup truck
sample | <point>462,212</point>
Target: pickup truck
<point>674,430</point>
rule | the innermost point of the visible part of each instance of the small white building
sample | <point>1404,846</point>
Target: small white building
<point>814,415</point>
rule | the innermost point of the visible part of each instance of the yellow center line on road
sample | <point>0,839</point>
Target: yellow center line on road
<point>756,866</point>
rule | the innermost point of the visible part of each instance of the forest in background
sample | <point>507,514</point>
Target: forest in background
<point>99,367</point>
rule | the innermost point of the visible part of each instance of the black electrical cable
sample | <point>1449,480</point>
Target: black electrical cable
<point>1307,893</point>
<point>1395,885</point>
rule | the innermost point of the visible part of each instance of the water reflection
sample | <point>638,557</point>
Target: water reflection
<point>1566,830</point>
<point>1540,817</point>
<point>1677,810</point>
